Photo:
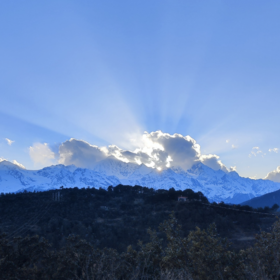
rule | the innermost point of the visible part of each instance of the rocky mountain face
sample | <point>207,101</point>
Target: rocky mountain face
<point>216,185</point>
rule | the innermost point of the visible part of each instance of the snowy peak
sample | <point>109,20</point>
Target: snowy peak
<point>114,167</point>
<point>7,165</point>
<point>217,185</point>
<point>233,174</point>
<point>201,170</point>
<point>177,169</point>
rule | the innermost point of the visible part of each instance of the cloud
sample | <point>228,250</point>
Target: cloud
<point>275,150</point>
<point>232,168</point>
<point>255,151</point>
<point>138,156</point>
<point>10,142</point>
<point>41,154</point>
<point>274,175</point>
<point>232,146</point>
<point>80,153</point>
<point>164,148</point>
<point>213,162</point>
<point>156,149</point>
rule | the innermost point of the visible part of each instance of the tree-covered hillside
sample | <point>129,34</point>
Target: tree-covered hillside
<point>120,216</point>
<point>266,200</point>
<point>135,233</point>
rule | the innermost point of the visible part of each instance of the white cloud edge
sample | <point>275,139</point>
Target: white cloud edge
<point>275,150</point>
<point>157,150</point>
<point>255,151</point>
<point>273,175</point>
<point>41,154</point>
<point>9,141</point>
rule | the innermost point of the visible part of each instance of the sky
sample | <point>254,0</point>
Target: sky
<point>118,72</point>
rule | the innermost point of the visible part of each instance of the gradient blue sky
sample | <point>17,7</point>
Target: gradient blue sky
<point>106,71</point>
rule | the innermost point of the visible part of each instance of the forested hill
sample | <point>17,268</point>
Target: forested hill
<point>121,215</point>
<point>266,200</point>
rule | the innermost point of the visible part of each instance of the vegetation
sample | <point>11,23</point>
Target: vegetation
<point>200,255</point>
<point>178,240</point>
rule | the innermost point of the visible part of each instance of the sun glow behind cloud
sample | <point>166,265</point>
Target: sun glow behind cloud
<point>113,75</point>
<point>100,103</point>
<point>157,150</point>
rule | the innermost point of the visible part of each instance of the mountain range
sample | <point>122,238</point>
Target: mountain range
<point>216,185</point>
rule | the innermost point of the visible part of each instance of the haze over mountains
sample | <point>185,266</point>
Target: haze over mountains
<point>217,185</point>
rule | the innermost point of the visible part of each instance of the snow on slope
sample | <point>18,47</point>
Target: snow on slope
<point>13,178</point>
<point>216,185</point>
<point>114,167</point>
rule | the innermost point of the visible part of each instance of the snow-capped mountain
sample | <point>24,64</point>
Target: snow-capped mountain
<point>216,185</point>
<point>13,178</point>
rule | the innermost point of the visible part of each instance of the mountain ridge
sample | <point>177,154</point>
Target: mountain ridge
<point>217,185</point>
<point>266,200</point>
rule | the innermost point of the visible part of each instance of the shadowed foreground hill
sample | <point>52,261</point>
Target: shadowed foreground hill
<point>200,255</point>
<point>266,200</point>
<point>120,216</point>
<point>83,234</point>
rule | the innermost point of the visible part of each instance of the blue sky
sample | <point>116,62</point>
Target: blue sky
<point>107,71</point>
